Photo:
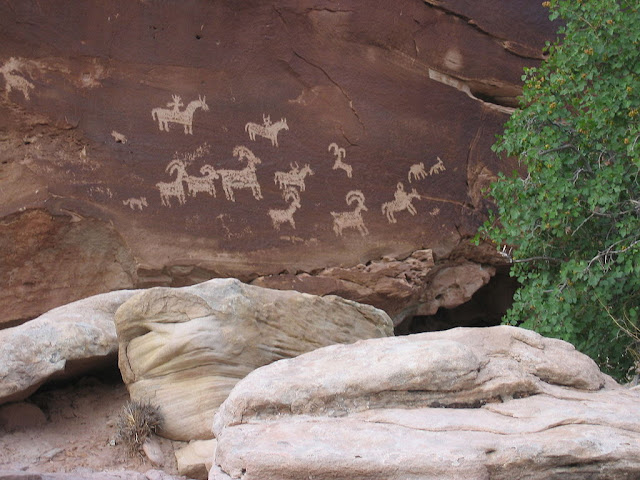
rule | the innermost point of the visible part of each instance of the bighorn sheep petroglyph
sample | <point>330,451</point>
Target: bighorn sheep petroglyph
<point>204,184</point>
<point>175,188</point>
<point>437,167</point>
<point>279,217</point>
<point>340,153</point>
<point>245,178</point>
<point>342,220</point>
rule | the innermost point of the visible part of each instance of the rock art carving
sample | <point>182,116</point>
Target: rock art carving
<point>164,116</point>
<point>401,201</point>
<point>13,77</point>
<point>340,153</point>
<point>279,217</point>
<point>118,137</point>
<point>205,184</point>
<point>353,219</point>
<point>245,178</point>
<point>417,172</point>
<point>134,203</point>
<point>437,167</point>
<point>175,188</point>
<point>434,212</point>
<point>293,178</point>
<point>267,129</point>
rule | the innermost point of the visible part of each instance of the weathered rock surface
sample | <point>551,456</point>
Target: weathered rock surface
<point>85,474</point>
<point>195,460</point>
<point>184,349</point>
<point>123,133</point>
<point>498,403</point>
<point>63,342</point>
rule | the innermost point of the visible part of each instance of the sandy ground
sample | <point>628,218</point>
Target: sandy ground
<point>79,432</point>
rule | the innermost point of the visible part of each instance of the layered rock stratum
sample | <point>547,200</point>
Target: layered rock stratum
<point>145,144</point>
<point>492,403</point>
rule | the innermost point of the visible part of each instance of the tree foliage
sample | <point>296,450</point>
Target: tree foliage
<point>574,220</point>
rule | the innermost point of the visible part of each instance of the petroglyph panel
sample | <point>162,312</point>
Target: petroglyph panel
<point>351,219</point>
<point>267,130</point>
<point>165,116</point>
<point>401,201</point>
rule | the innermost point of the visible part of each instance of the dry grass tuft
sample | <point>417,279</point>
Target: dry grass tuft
<point>136,423</point>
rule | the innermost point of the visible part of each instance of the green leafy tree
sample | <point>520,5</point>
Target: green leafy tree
<point>574,219</point>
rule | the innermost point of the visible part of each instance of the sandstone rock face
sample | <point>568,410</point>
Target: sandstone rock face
<point>184,349</point>
<point>497,403</point>
<point>247,139</point>
<point>63,342</point>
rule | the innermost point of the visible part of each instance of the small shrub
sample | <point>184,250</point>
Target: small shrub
<point>136,423</point>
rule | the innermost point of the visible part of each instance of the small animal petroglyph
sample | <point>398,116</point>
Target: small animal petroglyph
<point>435,211</point>
<point>438,167</point>
<point>294,177</point>
<point>267,129</point>
<point>175,188</point>
<point>134,203</point>
<point>353,219</point>
<point>417,172</point>
<point>165,116</point>
<point>118,137</point>
<point>245,178</point>
<point>279,217</point>
<point>340,153</point>
<point>13,74</point>
<point>402,201</point>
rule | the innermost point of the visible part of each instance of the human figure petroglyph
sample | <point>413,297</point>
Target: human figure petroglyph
<point>134,203</point>
<point>417,172</point>
<point>118,137</point>
<point>437,167</point>
<point>267,129</point>
<point>340,153</point>
<point>279,217</point>
<point>165,116</point>
<point>175,188</point>
<point>294,177</point>
<point>245,178</point>
<point>204,183</point>
<point>401,201</point>
<point>12,71</point>
<point>353,219</point>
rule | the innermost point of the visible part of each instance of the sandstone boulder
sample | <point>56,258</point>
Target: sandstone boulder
<point>499,403</point>
<point>126,134</point>
<point>184,349</point>
<point>63,342</point>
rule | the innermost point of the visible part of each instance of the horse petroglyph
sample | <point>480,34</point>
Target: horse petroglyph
<point>267,129</point>
<point>437,168</point>
<point>165,116</point>
<point>245,178</point>
<point>417,172</point>
<point>294,177</point>
<point>353,219</point>
<point>134,203</point>
<point>402,201</point>
<point>278,217</point>
<point>340,153</point>
<point>13,74</point>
